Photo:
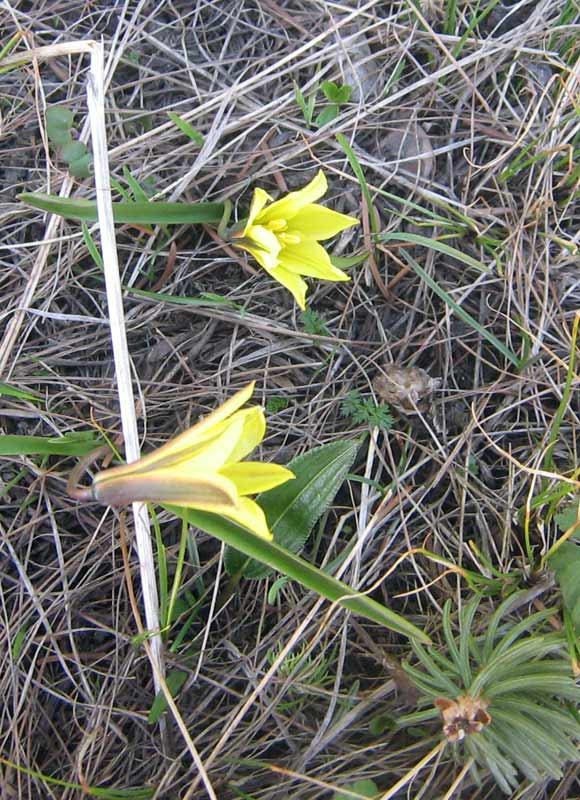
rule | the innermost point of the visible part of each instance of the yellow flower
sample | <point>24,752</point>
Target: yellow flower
<point>202,468</point>
<point>283,236</point>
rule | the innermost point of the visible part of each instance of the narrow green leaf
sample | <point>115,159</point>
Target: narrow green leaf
<point>144,213</point>
<point>139,194</point>
<point>296,568</point>
<point>350,261</point>
<point>358,789</point>
<point>461,313</point>
<point>306,106</point>
<point>68,445</point>
<point>18,641</point>
<point>434,244</point>
<point>92,247</point>
<point>327,115</point>
<point>205,299</point>
<point>358,171</point>
<point>293,508</point>
<point>12,391</point>
<point>174,680</point>
<point>186,128</point>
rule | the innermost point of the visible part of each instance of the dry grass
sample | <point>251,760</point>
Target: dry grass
<point>77,694</point>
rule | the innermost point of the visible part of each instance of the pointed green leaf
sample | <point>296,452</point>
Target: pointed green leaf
<point>293,509</point>
<point>140,213</point>
<point>174,680</point>
<point>186,128</point>
<point>75,444</point>
<point>299,570</point>
<point>327,115</point>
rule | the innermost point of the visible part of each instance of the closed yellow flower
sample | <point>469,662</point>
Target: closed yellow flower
<point>202,468</point>
<point>283,236</point>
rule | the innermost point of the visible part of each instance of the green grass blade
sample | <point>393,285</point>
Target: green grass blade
<point>358,171</point>
<point>70,445</point>
<point>186,128</point>
<point>141,213</point>
<point>461,313</point>
<point>12,391</point>
<point>295,567</point>
<point>434,244</point>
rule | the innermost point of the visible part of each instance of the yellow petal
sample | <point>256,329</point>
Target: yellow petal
<point>201,491</point>
<point>312,260</point>
<point>250,436</point>
<point>259,200</point>
<point>249,515</point>
<point>252,477</point>
<point>266,241</point>
<point>292,282</point>
<point>318,223</point>
<point>214,452</point>
<point>189,442</point>
<point>263,258</point>
<point>287,207</point>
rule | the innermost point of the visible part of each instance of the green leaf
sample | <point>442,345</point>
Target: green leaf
<point>364,411</point>
<point>18,641</point>
<point>59,117</point>
<point>564,519</point>
<point>349,261</point>
<point>139,194</point>
<point>81,167</point>
<point>186,128</point>
<point>483,331</point>
<point>174,680</point>
<point>142,213</point>
<point>71,444</point>
<point>327,115</point>
<point>306,106</point>
<point>335,93</point>
<point>353,791</point>
<point>73,151</point>
<point>383,722</point>
<point>205,299</point>
<point>360,176</point>
<point>434,244</point>
<point>274,589</point>
<point>12,391</point>
<point>59,136</point>
<point>566,565</point>
<point>299,570</point>
<point>92,247</point>
<point>293,508</point>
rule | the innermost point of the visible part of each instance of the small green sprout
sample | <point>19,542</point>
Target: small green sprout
<point>276,404</point>
<point>314,323</point>
<point>364,411</point>
<point>335,94</point>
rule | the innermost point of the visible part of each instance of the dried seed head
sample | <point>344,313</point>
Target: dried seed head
<point>408,389</point>
<point>463,716</point>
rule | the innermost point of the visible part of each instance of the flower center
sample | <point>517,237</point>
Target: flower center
<point>289,238</point>
<point>277,225</point>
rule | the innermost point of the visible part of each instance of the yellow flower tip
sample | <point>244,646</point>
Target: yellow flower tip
<point>202,468</point>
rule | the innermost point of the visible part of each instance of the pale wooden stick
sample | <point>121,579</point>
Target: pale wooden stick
<point>96,104</point>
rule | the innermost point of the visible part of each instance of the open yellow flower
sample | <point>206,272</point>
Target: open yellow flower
<point>202,468</point>
<point>283,236</point>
